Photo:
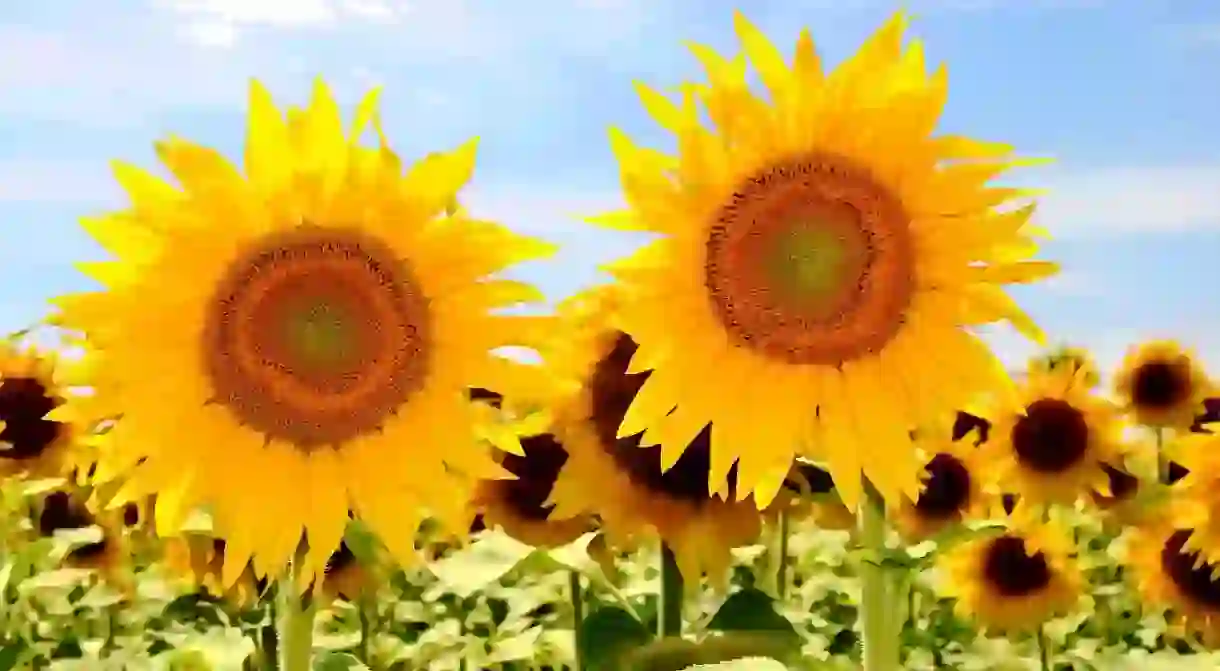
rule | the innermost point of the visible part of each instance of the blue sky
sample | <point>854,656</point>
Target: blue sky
<point>1123,94</point>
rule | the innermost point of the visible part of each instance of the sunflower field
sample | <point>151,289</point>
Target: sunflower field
<point>303,421</point>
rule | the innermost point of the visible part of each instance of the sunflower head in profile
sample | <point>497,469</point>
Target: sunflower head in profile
<point>1171,575</point>
<point>1074,359</point>
<point>346,576</point>
<point>67,510</point>
<point>31,443</point>
<point>1053,447</point>
<point>814,252</point>
<point>809,495</point>
<point>1162,385</point>
<point>952,486</point>
<point>323,313</point>
<point>683,496</point>
<point>1016,579</point>
<point>199,559</point>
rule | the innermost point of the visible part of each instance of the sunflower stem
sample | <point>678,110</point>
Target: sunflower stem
<point>267,641</point>
<point>1044,656</point>
<point>578,616</point>
<point>1162,461</point>
<point>879,641</point>
<point>363,607</point>
<point>295,622</point>
<point>670,622</point>
<point>781,570</point>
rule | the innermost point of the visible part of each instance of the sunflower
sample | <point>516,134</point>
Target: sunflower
<point>322,317</point>
<point>965,424</point>
<point>952,488</point>
<point>1014,580</point>
<point>1210,415</point>
<point>519,506</point>
<point>1054,447</point>
<point>1171,575</point>
<point>1162,385</point>
<point>1195,503</point>
<point>67,510</point>
<point>809,495</point>
<point>823,250</point>
<point>345,576</point>
<point>637,492</point>
<point>200,559</point>
<point>1073,358</point>
<point>30,443</point>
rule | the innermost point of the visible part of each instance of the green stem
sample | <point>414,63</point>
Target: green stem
<point>670,622</point>
<point>295,624</point>
<point>1044,656</point>
<point>781,570</point>
<point>363,606</point>
<point>578,616</point>
<point>267,641</point>
<point>1162,461</point>
<point>878,638</point>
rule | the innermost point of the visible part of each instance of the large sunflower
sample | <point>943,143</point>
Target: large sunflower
<point>1171,575</point>
<point>683,496</point>
<point>1014,580</point>
<point>283,342</point>
<point>822,250</point>
<point>1054,447</point>
<point>1162,385</point>
<point>952,488</point>
<point>30,443</point>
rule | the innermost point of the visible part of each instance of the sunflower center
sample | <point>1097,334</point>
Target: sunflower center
<point>1012,570</point>
<point>1192,578</point>
<point>536,474</point>
<point>612,390</point>
<point>1160,384</point>
<point>61,512</point>
<point>24,404</point>
<point>316,335</point>
<point>964,423</point>
<point>1051,437</point>
<point>811,262</point>
<point>947,489</point>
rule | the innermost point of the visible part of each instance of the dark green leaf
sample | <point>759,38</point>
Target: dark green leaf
<point>751,610</point>
<point>607,635</point>
<point>13,654</point>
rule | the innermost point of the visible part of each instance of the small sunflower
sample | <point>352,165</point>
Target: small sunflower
<point>809,495</point>
<point>519,506</point>
<point>345,576</point>
<point>1014,580</point>
<point>1172,576</point>
<point>1054,446</point>
<point>108,555</point>
<point>1210,415</point>
<point>952,490</point>
<point>30,443</point>
<point>200,559</point>
<point>323,316</point>
<point>1073,359</point>
<point>682,496</point>
<point>1162,385</point>
<point>819,249</point>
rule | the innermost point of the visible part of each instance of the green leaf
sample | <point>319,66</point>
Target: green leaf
<point>607,635</point>
<point>361,541</point>
<point>14,654</point>
<point>752,610</point>
<point>483,563</point>
<point>338,661</point>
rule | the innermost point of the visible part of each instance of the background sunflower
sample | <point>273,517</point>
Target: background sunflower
<point>1171,576</point>
<point>30,443</point>
<point>952,486</point>
<point>1162,385</point>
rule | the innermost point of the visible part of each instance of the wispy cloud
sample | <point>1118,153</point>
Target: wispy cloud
<point>1119,200</point>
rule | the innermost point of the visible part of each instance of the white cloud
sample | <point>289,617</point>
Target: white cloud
<point>205,20</point>
<point>1119,200</point>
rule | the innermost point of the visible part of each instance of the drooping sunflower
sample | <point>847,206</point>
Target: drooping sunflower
<point>67,510</point>
<point>345,576</point>
<point>821,250</point>
<point>1054,447</point>
<point>1170,575</point>
<point>322,316</point>
<point>30,443</point>
<point>1162,385</point>
<point>682,496</point>
<point>1073,358</point>
<point>952,489</point>
<point>1014,580</point>
<point>199,559</point>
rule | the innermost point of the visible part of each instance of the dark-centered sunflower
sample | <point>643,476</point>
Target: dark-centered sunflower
<point>1195,503</point>
<point>1053,447</point>
<point>819,248</point>
<point>316,322</point>
<point>1170,575</point>
<point>199,560</point>
<point>67,510</point>
<point>809,495</point>
<point>683,496</point>
<point>1014,580</point>
<point>952,488</point>
<point>30,443</point>
<point>1162,385</point>
<point>519,506</point>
